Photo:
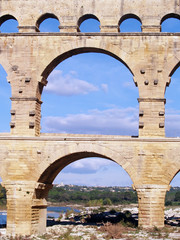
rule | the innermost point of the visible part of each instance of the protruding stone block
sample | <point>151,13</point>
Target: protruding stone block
<point>12,124</point>
<point>141,113</point>
<point>13,112</point>
<point>161,113</point>
<point>141,124</point>
<point>31,125</point>
<point>156,82</point>
<point>27,80</point>
<point>146,82</point>
<point>32,113</point>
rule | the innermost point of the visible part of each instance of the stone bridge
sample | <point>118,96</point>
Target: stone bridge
<point>31,160</point>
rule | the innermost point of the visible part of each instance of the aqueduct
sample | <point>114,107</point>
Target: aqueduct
<point>31,160</point>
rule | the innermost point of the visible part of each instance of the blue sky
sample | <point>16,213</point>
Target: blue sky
<point>94,94</point>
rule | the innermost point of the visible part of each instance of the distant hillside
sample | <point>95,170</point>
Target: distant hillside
<point>103,195</point>
<point>100,196</point>
<point>92,195</point>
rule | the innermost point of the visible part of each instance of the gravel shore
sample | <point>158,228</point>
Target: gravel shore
<point>79,231</point>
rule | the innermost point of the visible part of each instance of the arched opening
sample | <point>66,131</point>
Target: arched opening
<point>96,95</point>
<point>5,94</point>
<point>170,23</point>
<point>88,23</point>
<point>48,23</point>
<point>130,23</point>
<point>8,24</point>
<point>87,178</point>
<point>172,119</point>
<point>95,172</point>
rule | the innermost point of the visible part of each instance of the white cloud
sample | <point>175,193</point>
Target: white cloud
<point>104,87</point>
<point>108,174</point>
<point>88,166</point>
<point>129,84</point>
<point>68,85</point>
<point>111,121</point>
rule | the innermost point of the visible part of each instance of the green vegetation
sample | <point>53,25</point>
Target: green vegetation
<point>92,196</point>
<point>97,196</point>
<point>101,196</point>
<point>2,196</point>
<point>173,197</point>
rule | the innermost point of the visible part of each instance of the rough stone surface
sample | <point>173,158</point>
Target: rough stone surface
<point>30,160</point>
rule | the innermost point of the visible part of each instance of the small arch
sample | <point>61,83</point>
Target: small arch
<point>53,26</point>
<point>170,23</point>
<point>5,18</point>
<point>8,24</point>
<point>88,23</point>
<point>131,22</point>
<point>76,51</point>
<point>170,15</point>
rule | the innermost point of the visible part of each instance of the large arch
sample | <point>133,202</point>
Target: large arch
<point>55,168</point>
<point>49,68</point>
<point>68,154</point>
<point>63,157</point>
<point>73,52</point>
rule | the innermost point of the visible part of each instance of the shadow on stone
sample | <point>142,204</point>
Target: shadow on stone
<point>99,219</point>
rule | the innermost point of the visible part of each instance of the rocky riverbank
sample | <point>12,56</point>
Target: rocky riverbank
<point>74,229</point>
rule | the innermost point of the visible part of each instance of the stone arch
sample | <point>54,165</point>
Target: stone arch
<point>6,17</point>
<point>128,16</point>
<point>63,157</point>
<point>49,68</point>
<point>44,17</point>
<point>84,18</point>
<point>73,153</point>
<point>170,15</point>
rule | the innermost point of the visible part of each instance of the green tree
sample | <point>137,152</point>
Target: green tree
<point>177,197</point>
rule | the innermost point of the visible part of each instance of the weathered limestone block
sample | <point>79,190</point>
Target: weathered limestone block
<point>151,117</point>
<point>19,207</point>
<point>151,205</point>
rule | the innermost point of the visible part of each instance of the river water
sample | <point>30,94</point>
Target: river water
<point>52,212</point>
